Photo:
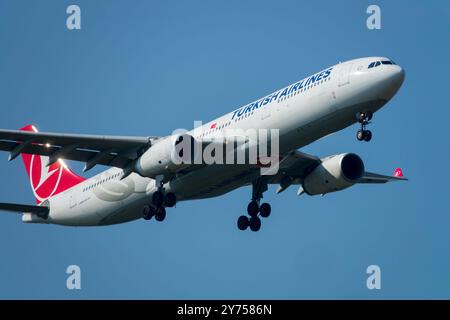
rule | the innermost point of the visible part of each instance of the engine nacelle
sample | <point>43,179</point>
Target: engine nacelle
<point>168,155</point>
<point>334,173</point>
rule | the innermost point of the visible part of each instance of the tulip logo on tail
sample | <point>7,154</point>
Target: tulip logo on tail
<point>47,181</point>
<point>398,173</point>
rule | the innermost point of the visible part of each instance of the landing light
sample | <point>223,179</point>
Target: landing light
<point>63,164</point>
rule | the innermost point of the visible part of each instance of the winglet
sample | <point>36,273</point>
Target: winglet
<point>398,173</point>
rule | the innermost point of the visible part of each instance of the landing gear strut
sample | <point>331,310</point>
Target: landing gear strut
<point>364,119</point>
<point>255,210</point>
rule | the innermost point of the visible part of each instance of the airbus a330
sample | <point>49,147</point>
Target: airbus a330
<point>144,180</point>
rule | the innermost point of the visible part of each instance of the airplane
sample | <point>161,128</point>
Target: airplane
<point>143,179</point>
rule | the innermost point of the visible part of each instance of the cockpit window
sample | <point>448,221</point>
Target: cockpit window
<point>378,63</point>
<point>374,64</point>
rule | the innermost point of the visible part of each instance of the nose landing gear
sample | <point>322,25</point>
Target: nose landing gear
<point>364,119</point>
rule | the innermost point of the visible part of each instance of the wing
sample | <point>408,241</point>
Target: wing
<point>40,211</point>
<point>293,168</point>
<point>370,177</point>
<point>296,165</point>
<point>116,151</point>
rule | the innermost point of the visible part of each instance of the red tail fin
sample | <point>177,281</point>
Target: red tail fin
<point>47,181</point>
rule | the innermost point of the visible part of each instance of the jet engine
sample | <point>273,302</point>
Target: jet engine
<point>334,173</point>
<point>167,155</point>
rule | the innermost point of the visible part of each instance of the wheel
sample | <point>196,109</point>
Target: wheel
<point>255,224</point>
<point>367,135</point>
<point>253,208</point>
<point>157,198</point>
<point>170,200</point>
<point>148,212</point>
<point>242,223</point>
<point>360,135</point>
<point>264,210</point>
<point>160,214</point>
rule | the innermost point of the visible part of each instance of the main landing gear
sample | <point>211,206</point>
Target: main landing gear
<point>255,210</point>
<point>364,119</point>
<point>160,200</point>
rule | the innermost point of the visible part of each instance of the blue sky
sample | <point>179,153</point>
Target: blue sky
<point>147,68</point>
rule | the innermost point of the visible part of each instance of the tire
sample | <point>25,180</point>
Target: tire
<point>367,135</point>
<point>255,224</point>
<point>170,200</point>
<point>265,210</point>
<point>242,223</point>
<point>360,135</point>
<point>148,212</point>
<point>160,214</point>
<point>157,198</point>
<point>253,208</point>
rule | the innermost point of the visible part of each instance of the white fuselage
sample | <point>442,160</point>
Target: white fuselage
<point>305,113</point>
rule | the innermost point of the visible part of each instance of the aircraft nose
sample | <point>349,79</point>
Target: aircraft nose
<point>391,81</point>
<point>398,75</point>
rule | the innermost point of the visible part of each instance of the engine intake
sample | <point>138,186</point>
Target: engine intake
<point>334,173</point>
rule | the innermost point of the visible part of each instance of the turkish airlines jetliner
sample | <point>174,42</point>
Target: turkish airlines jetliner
<point>144,179</point>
